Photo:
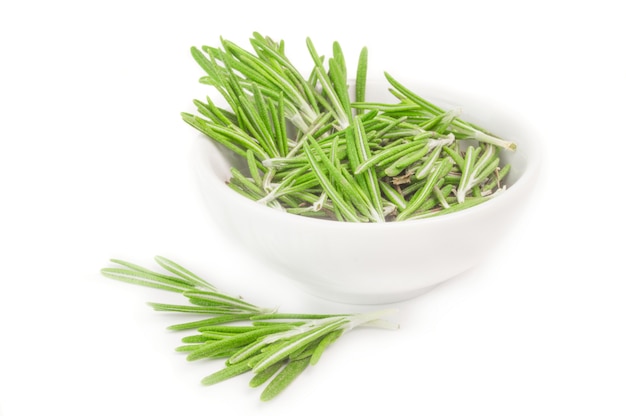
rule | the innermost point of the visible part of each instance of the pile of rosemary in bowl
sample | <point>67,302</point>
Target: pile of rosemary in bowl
<point>315,146</point>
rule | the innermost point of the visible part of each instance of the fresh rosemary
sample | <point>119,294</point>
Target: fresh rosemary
<point>274,347</point>
<point>313,150</point>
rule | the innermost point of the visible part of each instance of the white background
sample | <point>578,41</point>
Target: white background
<point>94,164</point>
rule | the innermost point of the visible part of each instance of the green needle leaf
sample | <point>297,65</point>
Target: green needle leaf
<point>180,271</point>
<point>220,299</point>
<point>361,80</point>
<point>147,279</point>
<point>226,373</point>
<point>324,343</point>
<point>283,379</point>
<point>261,377</point>
<point>216,320</point>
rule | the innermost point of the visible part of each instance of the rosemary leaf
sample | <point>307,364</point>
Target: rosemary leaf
<point>323,344</point>
<point>361,80</point>
<point>261,377</point>
<point>284,378</point>
<point>227,373</point>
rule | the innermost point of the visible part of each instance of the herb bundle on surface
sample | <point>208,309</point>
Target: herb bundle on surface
<point>313,145</point>
<point>274,347</point>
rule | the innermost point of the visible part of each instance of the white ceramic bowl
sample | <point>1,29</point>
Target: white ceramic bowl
<point>372,263</point>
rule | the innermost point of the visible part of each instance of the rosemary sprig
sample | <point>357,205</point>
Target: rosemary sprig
<point>312,150</point>
<point>274,347</point>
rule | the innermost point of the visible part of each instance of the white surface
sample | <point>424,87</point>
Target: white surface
<point>94,164</point>
<point>378,263</point>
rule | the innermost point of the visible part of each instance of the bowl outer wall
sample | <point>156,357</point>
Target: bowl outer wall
<point>369,263</point>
